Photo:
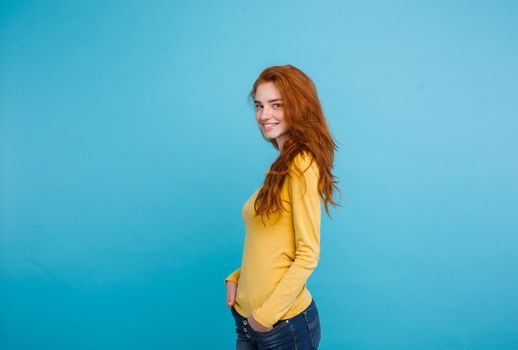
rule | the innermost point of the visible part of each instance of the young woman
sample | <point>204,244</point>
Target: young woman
<point>267,295</point>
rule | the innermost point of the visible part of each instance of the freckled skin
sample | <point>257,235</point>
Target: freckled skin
<point>271,112</point>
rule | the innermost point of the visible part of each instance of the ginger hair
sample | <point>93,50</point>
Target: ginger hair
<point>308,132</point>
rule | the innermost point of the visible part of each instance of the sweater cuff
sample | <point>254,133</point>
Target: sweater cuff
<point>234,276</point>
<point>230,279</point>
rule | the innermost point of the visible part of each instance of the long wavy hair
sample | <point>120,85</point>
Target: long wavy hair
<point>308,131</point>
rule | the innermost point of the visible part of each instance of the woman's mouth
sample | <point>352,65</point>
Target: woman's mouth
<point>269,127</point>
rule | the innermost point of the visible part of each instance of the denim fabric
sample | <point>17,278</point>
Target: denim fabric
<point>301,332</point>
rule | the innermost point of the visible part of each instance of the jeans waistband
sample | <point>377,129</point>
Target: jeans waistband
<point>237,314</point>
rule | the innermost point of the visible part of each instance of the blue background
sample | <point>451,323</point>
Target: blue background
<point>128,149</point>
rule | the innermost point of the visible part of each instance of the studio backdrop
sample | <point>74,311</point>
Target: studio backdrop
<point>128,148</point>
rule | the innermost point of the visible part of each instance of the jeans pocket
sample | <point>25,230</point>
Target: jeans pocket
<point>313,322</point>
<point>276,328</point>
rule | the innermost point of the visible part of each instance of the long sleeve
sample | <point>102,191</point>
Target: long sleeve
<point>306,212</point>
<point>234,276</point>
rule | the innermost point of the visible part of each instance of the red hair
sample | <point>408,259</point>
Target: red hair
<point>308,132</point>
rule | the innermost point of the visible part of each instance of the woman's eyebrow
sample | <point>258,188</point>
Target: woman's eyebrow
<point>270,101</point>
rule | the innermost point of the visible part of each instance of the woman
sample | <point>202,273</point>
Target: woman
<point>267,295</point>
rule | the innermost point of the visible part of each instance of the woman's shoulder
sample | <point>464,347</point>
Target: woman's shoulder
<point>304,162</point>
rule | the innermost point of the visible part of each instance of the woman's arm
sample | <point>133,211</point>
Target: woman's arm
<point>306,211</point>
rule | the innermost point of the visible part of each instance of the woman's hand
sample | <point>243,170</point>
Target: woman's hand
<point>231,300</point>
<point>256,326</point>
<point>231,293</point>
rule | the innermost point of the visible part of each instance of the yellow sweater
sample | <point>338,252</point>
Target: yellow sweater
<point>278,259</point>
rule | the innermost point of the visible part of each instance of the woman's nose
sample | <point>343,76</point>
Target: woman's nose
<point>266,113</point>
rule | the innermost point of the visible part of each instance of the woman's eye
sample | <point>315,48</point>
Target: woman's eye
<point>277,105</point>
<point>257,106</point>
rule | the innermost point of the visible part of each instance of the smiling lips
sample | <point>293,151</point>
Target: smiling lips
<point>269,127</point>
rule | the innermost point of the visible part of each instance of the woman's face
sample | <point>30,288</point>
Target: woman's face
<point>269,113</point>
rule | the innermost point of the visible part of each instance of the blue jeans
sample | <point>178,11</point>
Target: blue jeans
<point>301,332</point>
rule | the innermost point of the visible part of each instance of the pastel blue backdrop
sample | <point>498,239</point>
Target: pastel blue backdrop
<point>128,149</point>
